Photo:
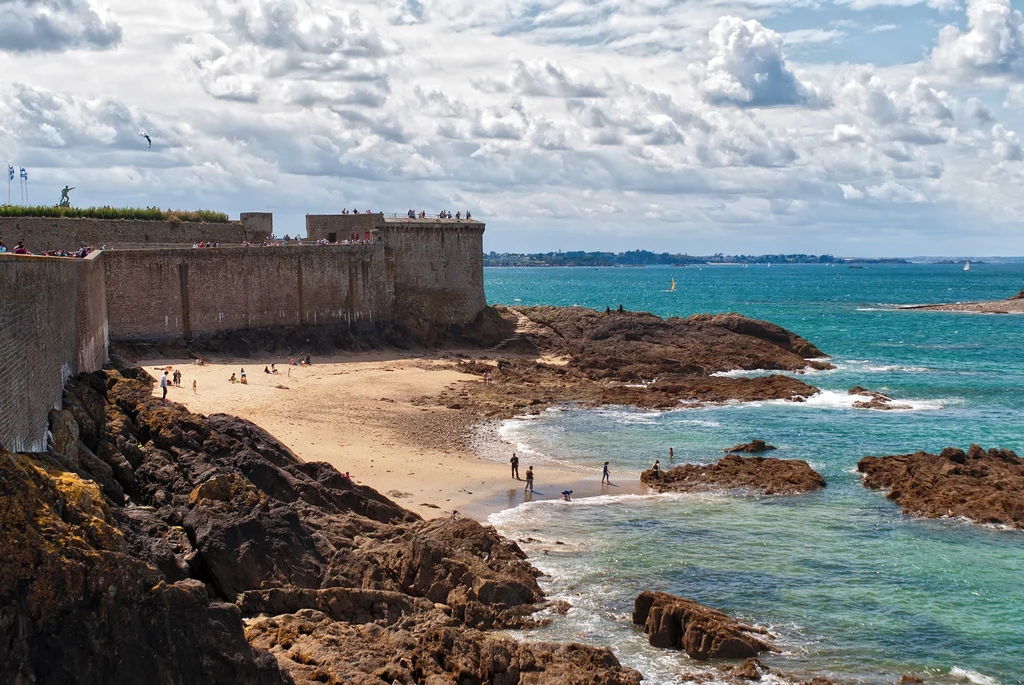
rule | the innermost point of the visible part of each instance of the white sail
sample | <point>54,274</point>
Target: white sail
<point>967,266</point>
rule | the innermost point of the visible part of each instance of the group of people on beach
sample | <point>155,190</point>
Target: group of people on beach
<point>566,494</point>
<point>173,381</point>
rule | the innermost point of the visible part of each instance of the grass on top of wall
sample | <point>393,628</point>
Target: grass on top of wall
<point>130,213</point>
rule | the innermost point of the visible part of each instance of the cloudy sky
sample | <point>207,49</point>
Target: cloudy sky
<point>857,127</point>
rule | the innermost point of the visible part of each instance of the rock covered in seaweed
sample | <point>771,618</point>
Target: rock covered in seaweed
<point>767,475</point>
<point>986,487</point>
<point>673,622</point>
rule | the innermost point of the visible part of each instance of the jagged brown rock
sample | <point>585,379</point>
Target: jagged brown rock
<point>638,359</point>
<point>753,447</point>
<point>673,622</point>
<point>877,400</point>
<point>986,487</point>
<point>224,522</point>
<point>768,475</point>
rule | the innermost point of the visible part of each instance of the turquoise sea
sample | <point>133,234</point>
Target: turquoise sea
<point>852,589</point>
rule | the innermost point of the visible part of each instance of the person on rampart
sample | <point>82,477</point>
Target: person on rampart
<point>468,215</point>
<point>20,249</point>
<point>3,248</point>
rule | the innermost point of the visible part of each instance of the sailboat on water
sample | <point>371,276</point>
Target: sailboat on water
<point>673,288</point>
<point>967,266</point>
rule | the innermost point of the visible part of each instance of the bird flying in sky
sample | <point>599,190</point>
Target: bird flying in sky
<point>148,139</point>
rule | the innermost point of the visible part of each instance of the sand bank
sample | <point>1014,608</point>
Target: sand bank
<point>368,414</point>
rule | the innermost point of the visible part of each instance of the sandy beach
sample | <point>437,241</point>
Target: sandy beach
<point>369,415</point>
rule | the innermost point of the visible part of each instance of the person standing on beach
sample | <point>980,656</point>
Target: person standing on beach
<point>164,382</point>
<point>529,479</point>
<point>656,468</point>
<point>605,476</point>
<point>515,466</point>
<point>195,391</point>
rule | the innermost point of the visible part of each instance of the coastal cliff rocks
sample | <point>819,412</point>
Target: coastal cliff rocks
<point>427,649</point>
<point>766,475</point>
<point>753,447</point>
<point>222,522</point>
<point>638,359</point>
<point>985,487</point>
<point>673,622</point>
<point>77,606</point>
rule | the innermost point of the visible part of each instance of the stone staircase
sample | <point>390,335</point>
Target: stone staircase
<point>524,326</point>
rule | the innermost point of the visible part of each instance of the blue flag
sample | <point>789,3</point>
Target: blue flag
<point>10,171</point>
<point>24,174</point>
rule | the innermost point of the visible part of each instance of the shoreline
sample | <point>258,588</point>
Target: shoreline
<point>372,415</point>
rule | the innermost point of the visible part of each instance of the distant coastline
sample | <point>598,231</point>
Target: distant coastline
<point>637,258</point>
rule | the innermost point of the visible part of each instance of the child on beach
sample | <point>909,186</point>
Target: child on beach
<point>529,479</point>
<point>605,476</point>
<point>566,495</point>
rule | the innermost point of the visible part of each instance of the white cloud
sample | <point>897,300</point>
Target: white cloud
<point>55,26</point>
<point>850,193</point>
<point>746,68</point>
<point>993,44</point>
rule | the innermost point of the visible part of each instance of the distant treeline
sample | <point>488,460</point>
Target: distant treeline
<point>130,213</point>
<point>647,258</point>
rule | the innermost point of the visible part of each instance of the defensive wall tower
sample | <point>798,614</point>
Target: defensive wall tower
<point>436,264</point>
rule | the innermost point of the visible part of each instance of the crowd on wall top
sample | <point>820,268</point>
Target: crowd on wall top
<point>20,249</point>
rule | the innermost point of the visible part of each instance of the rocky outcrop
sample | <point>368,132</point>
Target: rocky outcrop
<point>876,400</point>
<point>1011,305</point>
<point>638,359</point>
<point>139,564</point>
<point>986,487</point>
<point>755,446</point>
<point>766,475</point>
<point>676,623</point>
<point>431,649</point>
<point>78,605</point>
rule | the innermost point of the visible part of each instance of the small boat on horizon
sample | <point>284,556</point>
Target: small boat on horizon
<point>967,266</point>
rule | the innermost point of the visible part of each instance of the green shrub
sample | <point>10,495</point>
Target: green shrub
<point>129,213</point>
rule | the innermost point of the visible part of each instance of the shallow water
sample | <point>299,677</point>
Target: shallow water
<point>852,588</point>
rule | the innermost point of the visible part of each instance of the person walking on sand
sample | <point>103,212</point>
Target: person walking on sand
<point>605,476</point>
<point>195,391</point>
<point>529,479</point>
<point>515,466</point>
<point>164,382</point>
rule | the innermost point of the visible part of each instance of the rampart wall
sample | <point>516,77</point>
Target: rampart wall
<point>180,294</point>
<point>53,324</point>
<point>437,264</point>
<point>47,233</point>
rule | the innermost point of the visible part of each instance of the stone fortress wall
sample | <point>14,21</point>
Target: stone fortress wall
<point>51,233</point>
<point>58,314</point>
<point>436,264</point>
<point>53,325</point>
<point>183,294</point>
